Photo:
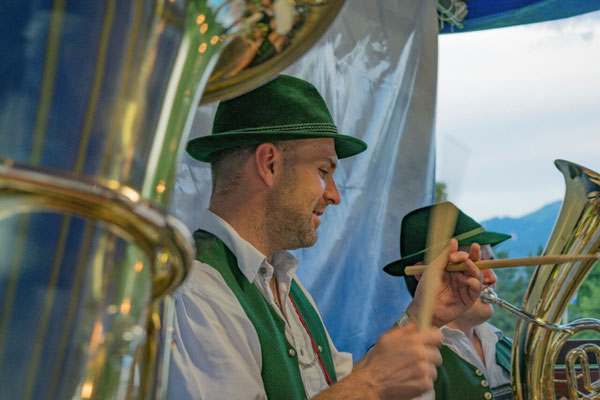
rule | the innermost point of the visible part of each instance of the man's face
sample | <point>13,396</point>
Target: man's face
<point>302,193</point>
<point>481,312</point>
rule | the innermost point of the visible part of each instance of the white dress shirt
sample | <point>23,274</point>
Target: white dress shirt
<point>461,345</point>
<point>216,351</point>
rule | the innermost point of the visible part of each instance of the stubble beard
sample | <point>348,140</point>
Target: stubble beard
<point>289,216</point>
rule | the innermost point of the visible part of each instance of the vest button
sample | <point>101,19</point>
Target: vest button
<point>487,396</point>
<point>320,348</point>
<point>478,372</point>
<point>484,383</point>
<point>292,352</point>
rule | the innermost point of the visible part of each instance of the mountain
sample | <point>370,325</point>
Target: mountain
<point>529,232</point>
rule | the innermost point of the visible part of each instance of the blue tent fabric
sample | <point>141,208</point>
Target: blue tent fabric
<point>488,14</point>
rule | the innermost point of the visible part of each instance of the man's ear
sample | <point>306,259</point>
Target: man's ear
<point>267,159</point>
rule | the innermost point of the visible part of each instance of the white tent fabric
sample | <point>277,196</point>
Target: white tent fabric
<point>376,68</point>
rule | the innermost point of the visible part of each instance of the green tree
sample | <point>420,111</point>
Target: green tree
<point>511,287</point>
<point>586,303</point>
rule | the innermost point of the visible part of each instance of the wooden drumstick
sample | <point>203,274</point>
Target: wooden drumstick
<point>441,226</point>
<point>509,262</point>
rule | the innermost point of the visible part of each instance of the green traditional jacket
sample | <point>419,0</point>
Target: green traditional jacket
<point>280,371</point>
<point>459,379</point>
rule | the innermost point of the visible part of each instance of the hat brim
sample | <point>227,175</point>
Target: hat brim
<point>202,147</point>
<point>397,267</point>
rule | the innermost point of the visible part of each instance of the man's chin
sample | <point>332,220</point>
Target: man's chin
<point>304,241</point>
<point>485,317</point>
<point>312,239</point>
<point>478,314</point>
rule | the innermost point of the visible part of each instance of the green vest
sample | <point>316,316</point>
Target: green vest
<point>280,371</point>
<point>459,379</point>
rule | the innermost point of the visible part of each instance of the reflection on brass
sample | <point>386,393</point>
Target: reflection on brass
<point>489,296</point>
<point>100,100</point>
<point>70,312</point>
<point>258,50</point>
<point>48,302</point>
<point>537,345</point>
<point>160,237</point>
<point>48,80</point>
<point>590,390</point>
<point>163,238</point>
<point>575,358</point>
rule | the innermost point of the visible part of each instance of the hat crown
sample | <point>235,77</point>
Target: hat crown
<point>284,101</point>
<point>285,108</point>
<point>413,238</point>
<point>415,226</point>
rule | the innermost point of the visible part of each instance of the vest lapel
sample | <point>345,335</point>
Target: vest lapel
<point>280,370</point>
<point>503,353</point>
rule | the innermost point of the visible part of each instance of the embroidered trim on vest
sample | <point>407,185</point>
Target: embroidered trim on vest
<point>502,392</point>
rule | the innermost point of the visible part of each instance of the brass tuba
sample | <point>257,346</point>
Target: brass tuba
<point>538,336</point>
<point>95,102</point>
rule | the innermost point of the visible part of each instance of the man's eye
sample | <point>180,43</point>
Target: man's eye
<point>323,172</point>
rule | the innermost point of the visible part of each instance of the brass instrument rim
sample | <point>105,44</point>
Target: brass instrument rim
<point>321,19</point>
<point>117,205</point>
<point>551,289</point>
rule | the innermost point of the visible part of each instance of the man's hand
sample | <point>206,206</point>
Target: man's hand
<point>458,291</point>
<point>402,364</point>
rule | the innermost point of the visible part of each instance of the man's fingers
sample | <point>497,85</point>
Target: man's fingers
<point>453,246</point>
<point>473,283</point>
<point>458,257</point>
<point>432,337</point>
<point>434,356</point>
<point>462,256</point>
<point>475,252</point>
<point>471,269</point>
<point>441,260</point>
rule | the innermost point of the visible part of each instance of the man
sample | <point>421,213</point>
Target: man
<point>245,328</point>
<point>476,355</point>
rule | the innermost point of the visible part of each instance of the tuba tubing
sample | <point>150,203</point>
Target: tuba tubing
<point>552,287</point>
<point>97,101</point>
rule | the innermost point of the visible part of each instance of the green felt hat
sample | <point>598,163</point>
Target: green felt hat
<point>286,108</point>
<point>413,239</point>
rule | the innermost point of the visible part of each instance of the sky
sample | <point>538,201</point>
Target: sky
<point>510,102</point>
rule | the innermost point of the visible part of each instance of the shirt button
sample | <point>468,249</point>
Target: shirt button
<point>262,270</point>
<point>478,372</point>
<point>292,352</point>
<point>484,383</point>
<point>487,396</point>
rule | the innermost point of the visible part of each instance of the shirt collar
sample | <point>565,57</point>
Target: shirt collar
<point>284,262</point>
<point>482,330</point>
<point>249,258</point>
<point>486,329</point>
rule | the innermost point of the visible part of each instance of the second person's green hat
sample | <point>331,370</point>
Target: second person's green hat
<point>413,236</point>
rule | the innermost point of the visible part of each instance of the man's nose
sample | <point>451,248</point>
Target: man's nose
<point>488,277</point>
<point>331,193</point>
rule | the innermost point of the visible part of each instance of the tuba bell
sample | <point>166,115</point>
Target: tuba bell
<point>539,337</point>
<point>95,102</point>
